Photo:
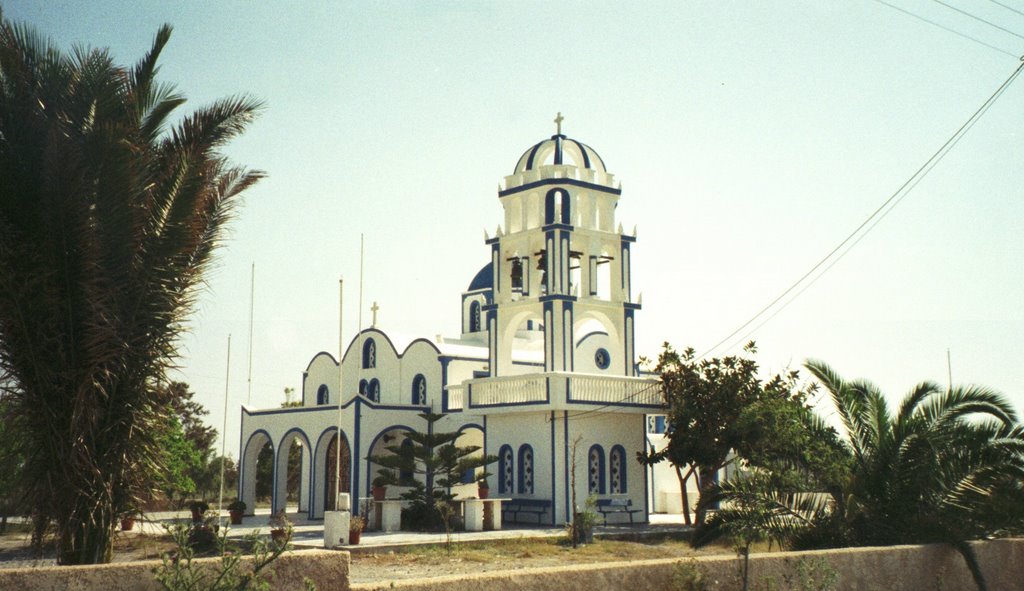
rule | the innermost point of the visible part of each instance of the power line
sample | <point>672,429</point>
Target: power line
<point>1010,8</point>
<point>945,28</point>
<point>979,19</point>
<point>877,215</point>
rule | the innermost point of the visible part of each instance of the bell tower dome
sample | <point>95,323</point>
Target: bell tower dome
<point>561,267</point>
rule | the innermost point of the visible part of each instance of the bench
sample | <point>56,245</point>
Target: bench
<point>514,507</point>
<point>606,506</point>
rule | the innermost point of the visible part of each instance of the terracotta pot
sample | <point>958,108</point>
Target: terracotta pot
<point>236,517</point>
<point>483,493</point>
<point>354,536</point>
<point>127,523</point>
<point>378,492</point>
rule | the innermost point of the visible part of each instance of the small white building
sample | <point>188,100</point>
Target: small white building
<point>545,357</point>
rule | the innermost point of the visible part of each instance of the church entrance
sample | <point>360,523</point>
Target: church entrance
<point>331,482</point>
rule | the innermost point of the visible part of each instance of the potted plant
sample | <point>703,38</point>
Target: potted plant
<point>237,510</point>
<point>127,521</point>
<point>356,525</point>
<point>279,526</point>
<point>199,509</point>
<point>483,489</point>
<point>379,486</point>
<point>583,522</point>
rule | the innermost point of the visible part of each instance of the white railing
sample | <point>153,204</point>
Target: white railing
<point>456,394</point>
<point>515,390</point>
<point>615,390</point>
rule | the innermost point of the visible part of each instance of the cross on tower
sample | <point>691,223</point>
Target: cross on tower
<point>374,309</point>
<point>558,122</point>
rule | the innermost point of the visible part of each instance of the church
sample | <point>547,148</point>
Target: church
<point>543,373</point>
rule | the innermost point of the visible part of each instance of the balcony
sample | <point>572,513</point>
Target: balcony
<point>555,391</point>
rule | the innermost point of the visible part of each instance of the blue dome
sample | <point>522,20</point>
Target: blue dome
<point>560,150</point>
<point>484,279</point>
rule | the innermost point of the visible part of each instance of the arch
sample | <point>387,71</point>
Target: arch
<point>362,386</point>
<point>369,354</point>
<point>595,470</point>
<point>323,394</point>
<point>506,472</point>
<point>248,463</point>
<point>419,390</point>
<point>474,316</point>
<point>525,469</point>
<point>556,206</point>
<point>617,470</point>
<point>323,481</point>
<point>373,390</point>
<point>281,476</point>
<point>377,448</point>
<point>471,434</point>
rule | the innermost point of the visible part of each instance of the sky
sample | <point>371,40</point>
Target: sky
<point>750,139</point>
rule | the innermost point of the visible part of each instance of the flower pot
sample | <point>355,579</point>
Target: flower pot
<point>236,517</point>
<point>378,492</point>
<point>127,523</point>
<point>483,493</point>
<point>354,536</point>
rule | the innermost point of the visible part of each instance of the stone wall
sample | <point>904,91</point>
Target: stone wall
<point>327,568</point>
<point>898,568</point>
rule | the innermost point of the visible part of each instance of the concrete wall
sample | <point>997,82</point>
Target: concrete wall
<point>327,568</point>
<point>899,568</point>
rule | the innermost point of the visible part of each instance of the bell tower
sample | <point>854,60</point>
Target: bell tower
<point>561,265</point>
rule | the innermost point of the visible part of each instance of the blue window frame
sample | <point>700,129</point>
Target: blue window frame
<point>525,469</point>
<point>373,390</point>
<point>602,359</point>
<point>362,387</point>
<point>505,470</point>
<point>595,470</point>
<point>419,390</point>
<point>474,316</point>
<point>322,394</point>
<point>617,470</point>
<point>556,207</point>
<point>369,354</point>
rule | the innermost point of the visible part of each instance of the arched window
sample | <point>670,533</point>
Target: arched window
<point>322,394</point>
<point>405,473</point>
<point>505,475</point>
<point>595,465</point>
<point>362,387</point>
<point>556,207</point>
<point>419,390</point>
<point>474,317</point>
<point>525,470</point>
<point>369,354</point>
<point>617,470</point>
<point>373,390</point>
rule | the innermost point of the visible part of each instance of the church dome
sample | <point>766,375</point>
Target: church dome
<point>560,150</point>
<point>484,279</point>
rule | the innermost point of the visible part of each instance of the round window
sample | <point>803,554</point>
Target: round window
<point>602,359</point>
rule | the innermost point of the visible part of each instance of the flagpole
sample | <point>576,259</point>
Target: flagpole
<point>224,428</point>
<point>341,357</point>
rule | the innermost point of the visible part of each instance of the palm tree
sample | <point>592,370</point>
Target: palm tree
<point>946,467</point>
<point>109,216</point>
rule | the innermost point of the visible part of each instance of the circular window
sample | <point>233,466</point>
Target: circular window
<point>602,359</point>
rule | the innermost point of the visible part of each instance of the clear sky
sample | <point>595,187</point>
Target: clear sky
<point>750,138</point>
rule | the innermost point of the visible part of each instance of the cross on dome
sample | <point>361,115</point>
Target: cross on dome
<point>558,122</point>
<point>374,309</point>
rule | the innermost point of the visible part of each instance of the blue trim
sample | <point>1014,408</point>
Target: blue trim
<point>273,467</point>
<point>573,182</point>
<point>416,381</point>
<point>554,482</point>
<point>323,395</point>
<point>521,484</point>
<point>444,385</point>
<point>601,470</point>
<point>374,390</point>
<point>369,345</point>
<point>623,480</point>
<point>558,148</point>
<point>241,450</point>
<point>565,428</point>
<point>511,459</point>
<point>330,433</point>
<point>591,334</point>
<point>277,458</point>
<point>335,361</point>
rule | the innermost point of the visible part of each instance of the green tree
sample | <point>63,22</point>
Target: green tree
<point>194,454</point>
<point>109,217</point>
<point>945,467</point>
<point>706,399</point>
<point>439,463</point>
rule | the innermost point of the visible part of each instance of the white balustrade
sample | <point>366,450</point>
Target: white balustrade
<point>615,390</point>
<point>517,390</point>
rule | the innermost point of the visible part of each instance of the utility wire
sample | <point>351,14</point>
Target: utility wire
<point>878,213</point>
<point>979,19</point>
<point>945,28</point>
<point>1010,8</point>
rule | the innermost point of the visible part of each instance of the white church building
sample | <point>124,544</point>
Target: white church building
<point>544,359</point>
